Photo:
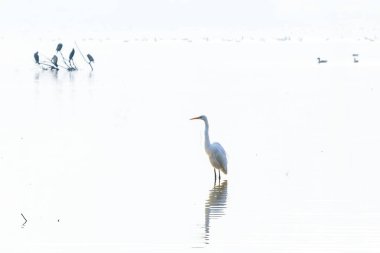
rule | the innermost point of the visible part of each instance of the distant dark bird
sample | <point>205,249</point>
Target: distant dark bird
<point>356,60</point>
<point>321,61</point>
<point>36,57</point>
<point>90,58</point>
<point>71,54</point>
<point>54,60</point>
<point>59,47</point>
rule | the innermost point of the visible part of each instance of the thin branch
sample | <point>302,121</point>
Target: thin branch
<point>84,58</point>
<point>24,219</point>
<point>50,66</point>
<point>64,60</point>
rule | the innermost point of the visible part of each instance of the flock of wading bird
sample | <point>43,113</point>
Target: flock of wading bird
<point>69,64</point>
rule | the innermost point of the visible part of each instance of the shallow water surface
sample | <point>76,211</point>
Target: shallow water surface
<point>109,161</point>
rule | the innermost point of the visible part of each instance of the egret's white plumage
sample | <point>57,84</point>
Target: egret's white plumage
<point>215,151</point>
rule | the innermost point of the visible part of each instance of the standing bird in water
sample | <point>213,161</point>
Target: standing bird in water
<point>215,151</point>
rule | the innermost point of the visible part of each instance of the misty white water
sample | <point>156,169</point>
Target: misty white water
<point>109,161</point>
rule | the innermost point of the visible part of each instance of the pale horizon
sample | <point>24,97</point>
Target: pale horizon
<point>350,18</point>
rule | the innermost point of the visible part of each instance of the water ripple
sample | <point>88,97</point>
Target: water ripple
<point>215,206</point>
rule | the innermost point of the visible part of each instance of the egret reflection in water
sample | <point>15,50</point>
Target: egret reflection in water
<point>215,206</point>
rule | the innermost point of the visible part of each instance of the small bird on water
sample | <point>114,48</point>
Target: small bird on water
<point>321,61</point>
<point>215,151</point>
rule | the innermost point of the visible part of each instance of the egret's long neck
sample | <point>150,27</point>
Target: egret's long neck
<point>207,138</point>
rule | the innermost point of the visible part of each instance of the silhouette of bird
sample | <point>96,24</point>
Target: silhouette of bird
<point>321,61</point>
<point>215,151</point>
<point>71,54</point>
<point>37,57</point>
<point>90,58</point>
<point>59,47</point>
<point>54,60</point>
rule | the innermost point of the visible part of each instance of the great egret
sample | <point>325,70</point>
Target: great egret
<point>215,151</point>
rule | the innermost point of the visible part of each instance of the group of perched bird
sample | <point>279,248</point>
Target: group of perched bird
<point>69,63</point>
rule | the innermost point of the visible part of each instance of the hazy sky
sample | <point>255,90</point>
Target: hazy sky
<point>185,14</point>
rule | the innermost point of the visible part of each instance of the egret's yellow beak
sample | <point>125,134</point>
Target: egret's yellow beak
<point>196,118</point>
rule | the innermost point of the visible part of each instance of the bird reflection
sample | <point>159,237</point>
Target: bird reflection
<point>215,206</point>
<point>37,76</point>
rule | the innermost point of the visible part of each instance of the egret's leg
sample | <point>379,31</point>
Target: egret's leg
<point>219,175</point>
<point>214,175</point>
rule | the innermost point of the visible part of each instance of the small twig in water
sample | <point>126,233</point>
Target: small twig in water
<point>50,66</point>
<point>24,219</point>
<point>64,60</point>
<point>84,58</point>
